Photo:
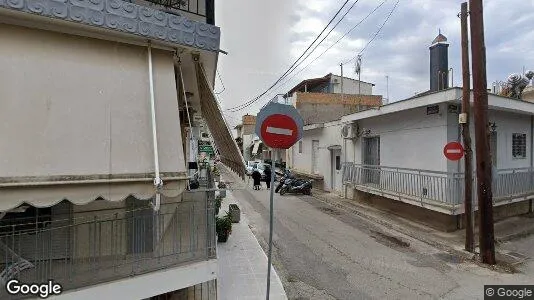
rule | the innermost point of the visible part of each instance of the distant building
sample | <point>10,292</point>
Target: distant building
<point>320,99</point>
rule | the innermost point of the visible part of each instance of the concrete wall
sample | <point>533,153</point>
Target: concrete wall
<point>327,136</point>
<point>67,99</point>
<point>350,86</point>
<point>507,124</point>
<point>319,113</point>
<point>408,139</point>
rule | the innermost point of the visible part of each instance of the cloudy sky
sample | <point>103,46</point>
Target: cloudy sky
<point>263,38</point>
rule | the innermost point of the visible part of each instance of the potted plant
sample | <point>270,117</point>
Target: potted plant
<point>218,203</point>
<point>222,189</point>
<point>216,174</point>
<point>223,226</point>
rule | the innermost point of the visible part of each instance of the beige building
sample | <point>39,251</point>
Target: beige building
<point>103,103</point>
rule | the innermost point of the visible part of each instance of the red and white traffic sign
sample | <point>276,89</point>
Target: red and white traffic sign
<point>453,151</point>
<point>279,126</point>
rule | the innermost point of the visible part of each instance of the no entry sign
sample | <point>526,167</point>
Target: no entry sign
<point>279,126</point>
<point>453,151</point>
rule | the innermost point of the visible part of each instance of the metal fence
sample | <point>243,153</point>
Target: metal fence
<point>432,186</point>
<point>204,8</point>
<point>92,248</point>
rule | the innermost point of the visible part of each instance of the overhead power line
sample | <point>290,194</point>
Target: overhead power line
<point>239,107</point>
<point>336,42</point>
<point>376,33</point>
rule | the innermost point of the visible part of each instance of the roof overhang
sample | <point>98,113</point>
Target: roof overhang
<point>495,102</point>
<point>313,126</point>
<point>115,20</point>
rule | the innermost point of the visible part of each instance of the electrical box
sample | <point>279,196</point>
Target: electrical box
<point>462,118</point>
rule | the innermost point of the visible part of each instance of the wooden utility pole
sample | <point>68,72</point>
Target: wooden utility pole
<point>483,160</point>
<point>464,120</point>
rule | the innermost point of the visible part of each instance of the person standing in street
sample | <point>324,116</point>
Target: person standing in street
<point>268,174</point>
<point>256,177</point>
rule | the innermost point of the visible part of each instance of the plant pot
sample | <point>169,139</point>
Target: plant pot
<point>222,237</point>
<point>235,213</point>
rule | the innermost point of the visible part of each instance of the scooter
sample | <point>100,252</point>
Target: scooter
<point>287,175</point>
<point>296,186</point>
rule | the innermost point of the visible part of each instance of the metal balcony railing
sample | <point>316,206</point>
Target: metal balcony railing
<point>433,187</point>
<point>96,247</point>
<point>202,8</point>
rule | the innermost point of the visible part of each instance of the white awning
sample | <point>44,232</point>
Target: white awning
<point>85,136</point>
<point>256,147</point>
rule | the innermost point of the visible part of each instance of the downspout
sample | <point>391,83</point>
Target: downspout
<point>158,183</point>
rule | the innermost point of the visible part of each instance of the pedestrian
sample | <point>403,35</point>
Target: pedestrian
<point>256,177</point>
<point>267,173</point>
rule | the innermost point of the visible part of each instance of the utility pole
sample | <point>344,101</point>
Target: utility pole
<point>483,160</point>
<point>464,120</point>
<point>387,89</point>
<point>359,70</point>
<point>341,65</point>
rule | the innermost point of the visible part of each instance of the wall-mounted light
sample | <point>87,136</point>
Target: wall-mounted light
<point>492,126</point>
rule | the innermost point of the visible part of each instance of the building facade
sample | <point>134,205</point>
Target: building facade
<point>397,153</point>
<point>103,104</point>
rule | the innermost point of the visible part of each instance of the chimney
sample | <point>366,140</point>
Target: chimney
<point>439,63</point>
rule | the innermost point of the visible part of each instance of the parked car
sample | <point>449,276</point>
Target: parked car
<point>251,165</point>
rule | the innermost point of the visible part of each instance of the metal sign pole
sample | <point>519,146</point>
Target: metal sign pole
<point>273,171</point>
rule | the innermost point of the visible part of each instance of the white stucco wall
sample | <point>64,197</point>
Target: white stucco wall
<point>408,139</point>
<point>351,86</point>
<point>507,125</point>
<point>327,136</point>
<point>80,106</point>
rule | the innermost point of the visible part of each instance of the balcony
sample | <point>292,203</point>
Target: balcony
<point>95,248</point>
<point>439,191</point>
<point>166,23</point>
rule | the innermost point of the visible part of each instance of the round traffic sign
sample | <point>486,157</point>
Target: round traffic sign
<point>279,126</point>
<point>453,151</point>
<point>279,131</point>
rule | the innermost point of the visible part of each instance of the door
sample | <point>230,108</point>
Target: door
<point>335,168</point>
<point>315,154</point>
<point>371,158</point>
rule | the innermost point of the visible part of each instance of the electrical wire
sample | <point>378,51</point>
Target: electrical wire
<point>242,106</point>
<point>222,83</point>
<point>376,33</point>
<point>336,42</point>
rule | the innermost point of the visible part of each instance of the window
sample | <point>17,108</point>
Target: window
<point>519,145</point>
<point>338,162</point>
<point>300,146</point>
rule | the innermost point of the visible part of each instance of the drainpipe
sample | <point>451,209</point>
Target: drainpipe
<point>158,183</point>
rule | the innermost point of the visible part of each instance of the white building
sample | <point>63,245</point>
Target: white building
<point>397,152</point>
<point>101,102</point>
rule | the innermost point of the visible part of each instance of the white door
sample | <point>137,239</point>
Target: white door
<point>335,167</point>
<point>315,154</point>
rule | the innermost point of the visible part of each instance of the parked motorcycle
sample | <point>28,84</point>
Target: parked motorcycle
<point>287,175</point>
<point>296,186</point>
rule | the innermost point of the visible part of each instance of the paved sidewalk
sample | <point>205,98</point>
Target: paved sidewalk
<point>243,264</point>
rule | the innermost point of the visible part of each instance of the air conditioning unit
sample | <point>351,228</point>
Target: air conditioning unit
<point>349,131</point>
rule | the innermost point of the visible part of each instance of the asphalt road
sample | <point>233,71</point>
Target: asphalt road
<point>323,253</point>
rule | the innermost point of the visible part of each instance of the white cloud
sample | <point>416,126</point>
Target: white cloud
<point>399,51</point>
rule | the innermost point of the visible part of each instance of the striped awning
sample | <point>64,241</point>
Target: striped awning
<point>228,149</point>
<point>256,147</point>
